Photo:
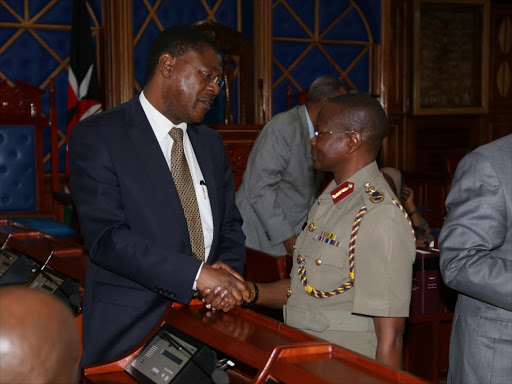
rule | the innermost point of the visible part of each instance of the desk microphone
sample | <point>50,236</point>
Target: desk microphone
<point>217,376</point>
<point>203,187</point>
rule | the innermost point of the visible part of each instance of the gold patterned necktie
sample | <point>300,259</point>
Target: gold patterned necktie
<point>185,186</point>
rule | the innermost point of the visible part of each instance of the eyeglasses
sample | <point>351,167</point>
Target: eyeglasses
<point>208,77</point>
<point>317,134</point>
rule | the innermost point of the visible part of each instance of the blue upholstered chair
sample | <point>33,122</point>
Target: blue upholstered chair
<point>26,192</point>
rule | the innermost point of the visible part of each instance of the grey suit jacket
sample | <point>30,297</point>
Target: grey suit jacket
<point>476,260</point>
<point>278,184</point>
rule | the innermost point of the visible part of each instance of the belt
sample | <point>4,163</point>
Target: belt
<point>320,321</point>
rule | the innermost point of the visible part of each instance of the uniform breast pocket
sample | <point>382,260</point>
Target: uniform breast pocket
<point>329,267</point>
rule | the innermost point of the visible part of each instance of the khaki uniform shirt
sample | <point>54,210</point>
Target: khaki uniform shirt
<point>383,257</point>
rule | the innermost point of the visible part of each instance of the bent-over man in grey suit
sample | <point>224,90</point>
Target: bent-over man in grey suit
<point>476,260</point>
<point>278,186</point>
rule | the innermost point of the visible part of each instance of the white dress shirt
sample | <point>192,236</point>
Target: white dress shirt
<point>310,124</point>
<point>161,127</point>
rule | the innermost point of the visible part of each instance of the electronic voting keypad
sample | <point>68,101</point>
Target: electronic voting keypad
<point>15,267</point>
<point>172,356</point>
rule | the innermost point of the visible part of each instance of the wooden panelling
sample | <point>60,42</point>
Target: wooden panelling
<point>439,137</point>
<point>500,98</point>
<point>118,57</point>
<point>262,60</point>
<point>499,121</point>
<point>430,192</point>
<point>422,144</point>
<point>393,150</point>
<point>432,333</point>
<point>499,125</point>
<point>238,141</point>
<point>399,53</point>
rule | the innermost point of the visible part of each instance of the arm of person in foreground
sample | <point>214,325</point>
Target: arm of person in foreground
<point>390,332</point>
<point>473,259</point>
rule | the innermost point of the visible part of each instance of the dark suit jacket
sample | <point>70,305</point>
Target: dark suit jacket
<point>134,226</point>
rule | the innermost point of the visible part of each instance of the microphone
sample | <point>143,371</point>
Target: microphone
<point>217,376</point>
<point>203,187</point>
<point>73,297</point>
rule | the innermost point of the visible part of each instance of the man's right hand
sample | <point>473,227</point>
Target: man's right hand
<point>223,290</point>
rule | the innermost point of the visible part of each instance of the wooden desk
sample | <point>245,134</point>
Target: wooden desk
<point>8,226</point>
<point>261,348</point>
<point>59,254</point>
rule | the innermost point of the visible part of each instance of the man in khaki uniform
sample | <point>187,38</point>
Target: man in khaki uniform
<point>352,272</point>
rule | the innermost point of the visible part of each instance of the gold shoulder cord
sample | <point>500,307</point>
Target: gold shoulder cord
<point>310,290</point>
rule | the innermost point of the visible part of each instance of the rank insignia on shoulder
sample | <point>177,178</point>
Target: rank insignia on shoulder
<point>374,196</point>
<point>342,191</point>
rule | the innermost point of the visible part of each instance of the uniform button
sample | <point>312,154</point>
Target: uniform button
<point>318,261</point>
<point>300,259</point>
<point>312,227</point>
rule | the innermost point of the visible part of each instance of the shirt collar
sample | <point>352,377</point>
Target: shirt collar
<point>310,124</point>
<point>161,125</point>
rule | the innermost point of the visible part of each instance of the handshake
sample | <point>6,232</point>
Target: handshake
<point>221,288</point>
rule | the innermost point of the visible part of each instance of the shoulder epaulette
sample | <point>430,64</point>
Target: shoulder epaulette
<point>342,191</point>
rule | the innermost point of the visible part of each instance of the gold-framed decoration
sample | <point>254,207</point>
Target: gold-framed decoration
<point>451,57</point>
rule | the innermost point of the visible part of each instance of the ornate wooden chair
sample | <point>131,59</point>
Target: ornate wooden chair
<point>300,97</point>
<point>235,48</point>
<point>26,191</point>
<point>238,138</point>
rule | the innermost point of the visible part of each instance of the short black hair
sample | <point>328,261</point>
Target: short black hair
<point>176,40</point>
<point>324,86</point>
<point>362,113</point>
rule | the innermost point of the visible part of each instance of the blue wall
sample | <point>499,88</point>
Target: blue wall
<point>28,60</point>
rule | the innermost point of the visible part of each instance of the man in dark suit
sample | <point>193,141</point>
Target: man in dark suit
<point>476,260</point>
<point>155,198</point>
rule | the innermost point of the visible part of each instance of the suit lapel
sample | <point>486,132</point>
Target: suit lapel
<point>161,189</point>
<point>205,161</point>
